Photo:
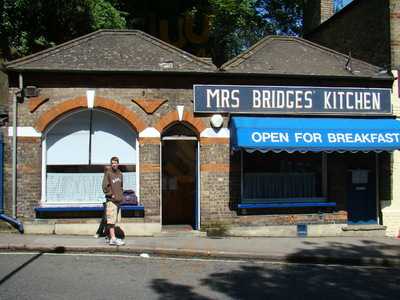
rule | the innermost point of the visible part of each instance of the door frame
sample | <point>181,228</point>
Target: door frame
<point>197,176</point>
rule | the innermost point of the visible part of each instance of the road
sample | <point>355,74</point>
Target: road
<point>96,276</point>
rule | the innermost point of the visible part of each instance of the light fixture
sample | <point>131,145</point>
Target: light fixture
<point>30,91</point>
<point>217,121</point>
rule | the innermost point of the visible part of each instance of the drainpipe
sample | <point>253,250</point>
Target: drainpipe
<point>13,220</point>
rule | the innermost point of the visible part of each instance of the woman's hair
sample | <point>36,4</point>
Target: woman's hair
<point>114,158</point>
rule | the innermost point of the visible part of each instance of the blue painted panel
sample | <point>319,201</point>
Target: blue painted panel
<point>287,205</point>
<point>86,208</point>
<point>290,100</point>
<point>315,134</point>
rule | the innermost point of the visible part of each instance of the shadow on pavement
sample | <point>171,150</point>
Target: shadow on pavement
<point>252,280</point>
<point>28,262</point>
<point>345,253</point>
<point>168,290</point>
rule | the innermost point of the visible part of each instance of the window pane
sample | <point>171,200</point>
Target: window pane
<point>68,141</point>
<point>75,184</point>
<point>112,137</point>
<point>279,177</point>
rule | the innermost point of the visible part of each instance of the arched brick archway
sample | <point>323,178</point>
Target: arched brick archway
<point>173,117</point>
<point>80,102</point>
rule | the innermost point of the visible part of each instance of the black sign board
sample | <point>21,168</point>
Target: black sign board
<point>291,99</point>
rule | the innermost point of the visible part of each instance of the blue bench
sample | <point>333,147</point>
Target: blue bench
<point>52,212</point>
<point>67,209</point>
<point>285,205</point>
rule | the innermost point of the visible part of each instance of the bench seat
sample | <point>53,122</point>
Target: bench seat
<point>48,209</point>
<point>285,205</point>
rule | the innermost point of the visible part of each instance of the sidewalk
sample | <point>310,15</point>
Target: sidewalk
<point>334,250</point>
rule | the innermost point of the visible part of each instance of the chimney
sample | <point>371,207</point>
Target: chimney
<point>326,9</point>
<point>316,12</point>
<point>394,6</point>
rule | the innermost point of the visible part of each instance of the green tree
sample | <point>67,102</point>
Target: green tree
<point>28,26</point>
<point>236,25</point>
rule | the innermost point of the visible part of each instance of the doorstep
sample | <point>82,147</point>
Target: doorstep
<point>179,231</point>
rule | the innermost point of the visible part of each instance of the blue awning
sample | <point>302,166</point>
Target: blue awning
<point>314,134</point>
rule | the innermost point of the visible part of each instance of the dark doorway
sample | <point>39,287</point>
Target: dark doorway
<point>179,152</point>
<point>361,197</point>
<point>361,189</point>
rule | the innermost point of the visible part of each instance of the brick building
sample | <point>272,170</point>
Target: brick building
<point>177,123</point>
<point>368,30</point>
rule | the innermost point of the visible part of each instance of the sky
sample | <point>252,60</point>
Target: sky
<point>342,3</point>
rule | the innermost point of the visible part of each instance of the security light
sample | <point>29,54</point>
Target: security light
<point>30,91</point>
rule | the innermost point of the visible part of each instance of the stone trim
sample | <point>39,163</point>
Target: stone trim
<point>221,133</point>
<point>149,132</point>
<point>35,102</point>
<point>81,102</point>
<point>24,131</point>
<point>215,168</point>
<point>149,105</point>
<point>173,116</point>
<point>149,168</point>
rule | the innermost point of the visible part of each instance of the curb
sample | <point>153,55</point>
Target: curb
<point>190,253</point>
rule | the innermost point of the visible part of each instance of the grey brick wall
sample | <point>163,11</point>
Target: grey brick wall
<point>362,28</point>
<point>150,182</point>
<point>316,12</point>
<point>220,175</point>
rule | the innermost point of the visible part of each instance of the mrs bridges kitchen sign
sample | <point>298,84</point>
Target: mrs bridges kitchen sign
<point>291,99</point>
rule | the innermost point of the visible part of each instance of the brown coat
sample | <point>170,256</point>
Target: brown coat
<point>113,184</point>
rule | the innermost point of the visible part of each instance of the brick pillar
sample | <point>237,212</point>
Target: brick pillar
<point>29,176</point>
<point>391,207</point>
<point>216,200</point>
<point>326,9</point>
<point>149,181</point>
<point>394,8</point>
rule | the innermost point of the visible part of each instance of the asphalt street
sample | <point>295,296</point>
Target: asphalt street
<point>102,276</point>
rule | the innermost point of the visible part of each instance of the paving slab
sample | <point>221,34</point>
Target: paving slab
<point>381,251</point>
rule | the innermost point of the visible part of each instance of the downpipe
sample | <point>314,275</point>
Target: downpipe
<point>13,221</point>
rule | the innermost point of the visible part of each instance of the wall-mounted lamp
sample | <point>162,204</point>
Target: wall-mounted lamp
<point>217,121</point>
<point>30,91</point>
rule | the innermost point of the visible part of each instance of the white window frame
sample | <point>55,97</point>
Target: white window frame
<point>44,199</point>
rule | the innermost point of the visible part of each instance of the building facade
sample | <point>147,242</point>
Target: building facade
<point>367,30</point>
<point>249,147</point>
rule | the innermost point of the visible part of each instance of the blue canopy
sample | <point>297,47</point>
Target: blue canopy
<point>314,134</point>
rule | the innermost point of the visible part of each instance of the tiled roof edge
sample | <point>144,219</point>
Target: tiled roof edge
<point>51,50</point>
<point>253,49</point>
<point>80,40</point>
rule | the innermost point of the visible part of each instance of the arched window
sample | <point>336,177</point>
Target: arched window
<point>76,150</point>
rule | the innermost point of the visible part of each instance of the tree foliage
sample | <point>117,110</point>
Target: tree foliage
<point>239,24</point>
<point>27,26</point>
